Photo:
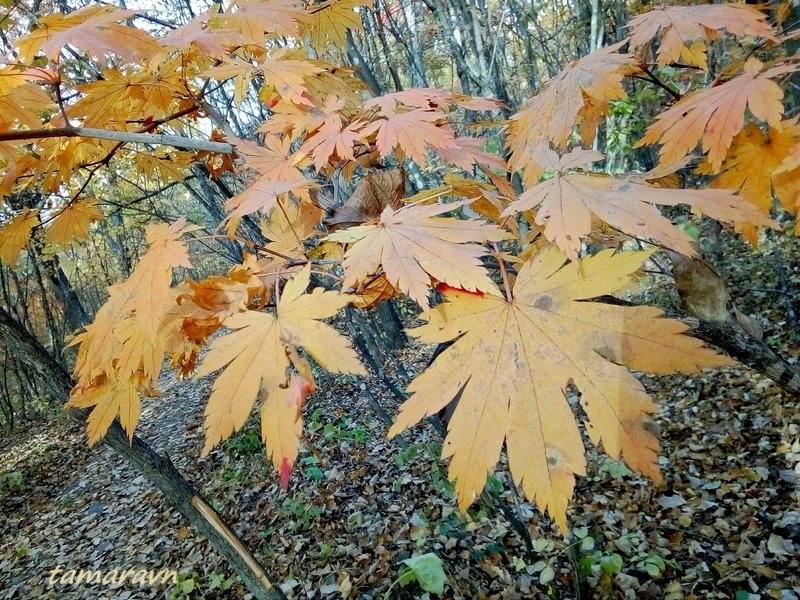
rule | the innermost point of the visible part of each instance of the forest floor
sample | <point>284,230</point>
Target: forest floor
<point>726,524</point>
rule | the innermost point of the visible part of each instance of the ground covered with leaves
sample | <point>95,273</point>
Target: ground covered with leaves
<point>727,524</point>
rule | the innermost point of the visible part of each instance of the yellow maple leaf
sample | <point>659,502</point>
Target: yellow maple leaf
<point>715,115</point>
<point>94,29</point>
<point>411,132</point>
<point>126,342</point>
<point>289,225</point>
<point>332,19</point>
<point>24,104</point>
<point>16,234</point>
<point>255,18</point>
<point>567,202</point>
<point>414,245</point>
<point>511,361</point>
<point>72,222</point>
<point>107,399</point>
<point>580,93</point>
<point>256,358</point>
<point>262,196</point>
<point>686,29</point>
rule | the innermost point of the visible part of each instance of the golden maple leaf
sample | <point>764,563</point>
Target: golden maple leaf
<point>256,359</point>
<point>16,234</point>
<point>715,115</point>
<point>93,29</point>
<point>580,93</point>
<point>255,18</point>
<point>331,20</point>
<point>412,133</point>
<point>567,202</point>
<point>512,359</point>
<point>123,348</point>
<point>72,222</point>
<point>414,245</point>
<point>289,225</point>
<point>695,25</point>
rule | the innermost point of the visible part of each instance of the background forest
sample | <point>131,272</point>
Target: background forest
<point>400,299</point>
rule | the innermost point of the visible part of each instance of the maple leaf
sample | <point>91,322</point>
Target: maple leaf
<point>255,18</point>
<point>291,120</point>
<point>751,167</point>
<point>716,114</point>
<point>426,98</point>
<point>289,225</point>
<point>212,41</point>
<point>108,399</point>
<point>72,222</point>
<point>512,359</point>
<point>414,245</point>
<point>580,93</point>
<point>567,202</point>
<point>115,97</point>
<point>274,160</point>
<point>467,152</point>
<point>331,140</point>
<point>411,132</point>
<point>16,234</point>
<point>331,20</point>
<point>256,359</point>
<point>24,104</point>
<point>125,334</point>
<point>260,196</point>
<point>94,29</point>
<point>288,76</point>
<point>786,180</point>
<point>121,351</point>
<point>695,25</point>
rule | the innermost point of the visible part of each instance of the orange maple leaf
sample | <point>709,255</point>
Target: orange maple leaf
<point>567,202</point>
<point>262,195</point>
<point>695,25</point>
<point>256,359</point>
<point>414,245</point>
<point>205,33</point>
<point>122,350</point>
<point>753,166</point>
<point>716,114</point>
<point>511,360</point>
<point>332,140</point>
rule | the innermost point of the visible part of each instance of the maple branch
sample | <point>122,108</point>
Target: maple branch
<point>163,139</point>
<point>651,78</point>
<point>502,265</point>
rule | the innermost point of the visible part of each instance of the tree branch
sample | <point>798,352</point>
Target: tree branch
<point>119,136</point>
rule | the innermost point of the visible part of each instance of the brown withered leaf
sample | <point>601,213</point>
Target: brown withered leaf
<point>703,292</point>
<point>372,194</point>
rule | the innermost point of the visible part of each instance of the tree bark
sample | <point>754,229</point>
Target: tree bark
<point>178,492</point>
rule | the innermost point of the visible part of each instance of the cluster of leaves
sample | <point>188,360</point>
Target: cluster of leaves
<point>522,330</point>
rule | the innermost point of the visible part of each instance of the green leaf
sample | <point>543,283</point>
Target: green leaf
<point>547,575</point>
<point>427,570</point>
<point>611,564</point>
